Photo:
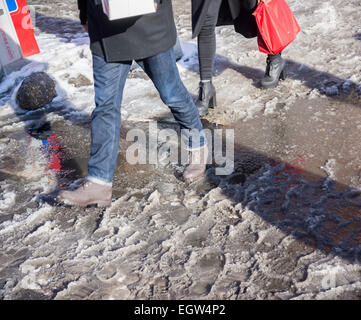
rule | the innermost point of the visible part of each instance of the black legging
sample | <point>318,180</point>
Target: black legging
<point>207,38</point>
<point>207,41</point>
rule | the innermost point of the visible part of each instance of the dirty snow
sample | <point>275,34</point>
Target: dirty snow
<point>286,224</point>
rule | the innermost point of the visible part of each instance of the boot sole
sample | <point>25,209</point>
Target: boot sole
<point>201,114</point>
<point>211,104</point>
<point>194,179</point>
<point>282,77</point>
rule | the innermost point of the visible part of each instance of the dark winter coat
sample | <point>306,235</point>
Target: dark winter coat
<point>232,12</point>
<point>132,38</point>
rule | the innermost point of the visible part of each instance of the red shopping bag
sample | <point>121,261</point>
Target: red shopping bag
<point>277,26</point>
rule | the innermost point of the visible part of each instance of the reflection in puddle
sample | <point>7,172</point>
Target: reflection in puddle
<point>309,180</point>
<point>49,159</point>
<point>320,138</point>
<point>53,153</point>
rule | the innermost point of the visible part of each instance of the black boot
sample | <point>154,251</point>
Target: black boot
<point>275,71</point>
<point>206,97</point>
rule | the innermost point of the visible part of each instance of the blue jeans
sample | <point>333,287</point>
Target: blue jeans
<point>109,82</point>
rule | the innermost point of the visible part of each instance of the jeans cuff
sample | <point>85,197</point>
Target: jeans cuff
<point>99,181</point>
<point>194,144</point>
<point>195,148</point>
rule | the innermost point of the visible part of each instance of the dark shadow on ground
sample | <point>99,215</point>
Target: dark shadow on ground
<point>325,83</point>
<point>61,27</point>
<point>316,210</point>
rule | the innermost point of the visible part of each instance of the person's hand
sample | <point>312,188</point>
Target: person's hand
<point>264,1</point>
<point>156,5</point>
<point>85,26</point>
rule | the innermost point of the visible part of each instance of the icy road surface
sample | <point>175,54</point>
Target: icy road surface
<point>286,224</point>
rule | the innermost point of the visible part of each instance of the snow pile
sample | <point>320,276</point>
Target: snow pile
<point>7,200</point>
<point>281,226</point>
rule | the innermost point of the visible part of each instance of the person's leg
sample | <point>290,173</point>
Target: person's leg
<point>109,81</point>
<point>163,71</point>
<point>206,56</point>
<point>207,41</point>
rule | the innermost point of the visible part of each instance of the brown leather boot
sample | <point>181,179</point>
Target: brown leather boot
<point>89,193</point>
<point>197,165</point>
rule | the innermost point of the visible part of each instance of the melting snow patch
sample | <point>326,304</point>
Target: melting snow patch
<point>270,107</point>
<point>8,200</point>
<point>330,168</point>
<point>328,18</point>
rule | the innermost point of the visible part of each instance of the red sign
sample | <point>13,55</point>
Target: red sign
<point>24,29</point>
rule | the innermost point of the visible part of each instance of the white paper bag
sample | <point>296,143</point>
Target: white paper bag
<point>120,9</point>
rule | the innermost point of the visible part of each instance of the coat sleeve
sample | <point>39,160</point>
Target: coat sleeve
<point>83,8</point>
